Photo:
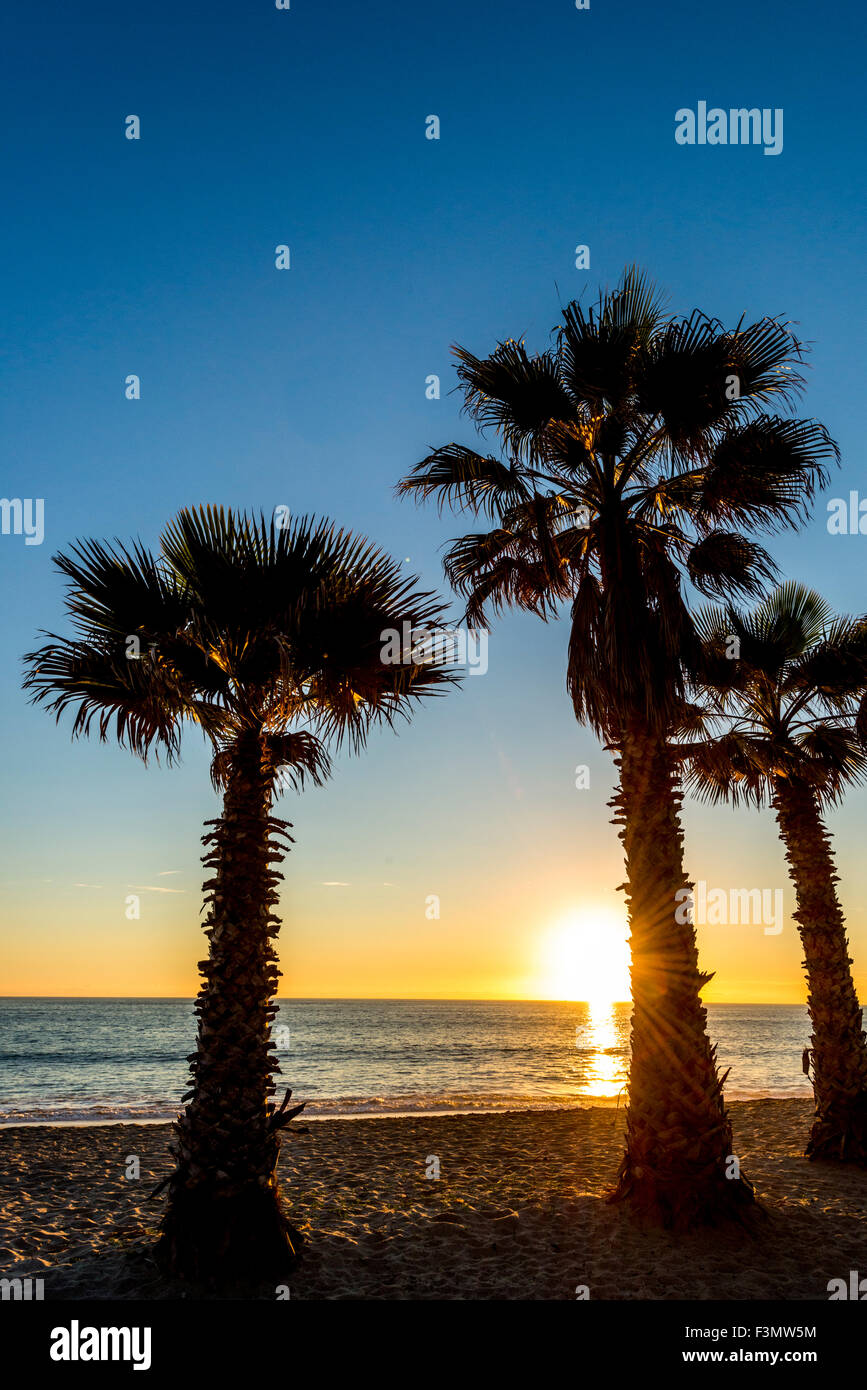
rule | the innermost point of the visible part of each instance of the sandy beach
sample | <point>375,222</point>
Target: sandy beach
<point>516,1213</point>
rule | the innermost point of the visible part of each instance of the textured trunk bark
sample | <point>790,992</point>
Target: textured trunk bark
<point>223,1219</point>
<point>839,1055</point>
<point>677,1168</point>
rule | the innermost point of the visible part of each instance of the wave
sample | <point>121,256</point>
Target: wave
<point>96,1114</point>
<point>347,1107</point>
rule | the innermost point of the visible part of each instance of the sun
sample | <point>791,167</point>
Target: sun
<point>586,957</point>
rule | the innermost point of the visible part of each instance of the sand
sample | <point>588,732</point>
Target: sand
<point>516,1213</point>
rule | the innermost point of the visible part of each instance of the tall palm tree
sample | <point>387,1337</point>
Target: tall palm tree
<point>633,451</point>
<point>785,722</point>
<point>269,639</point>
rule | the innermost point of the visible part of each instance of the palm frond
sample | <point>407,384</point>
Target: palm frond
<point>635,455</point>
<point>766,357</point>
<point>789,703</point>
<point>834,666</point>
<point>244,624</point>
<point>129,697</point>
<point>734,767</point>
<point>727,563</point>
<point>465,480</point>
<point>516,394</point>
<point>767,471</point>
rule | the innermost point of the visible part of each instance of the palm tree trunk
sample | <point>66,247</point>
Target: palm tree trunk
<point>223,1219</point>
<point>838,1044</point>
<point>678,1166</point>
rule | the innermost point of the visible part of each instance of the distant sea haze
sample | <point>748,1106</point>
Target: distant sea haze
<point>79,1060</point>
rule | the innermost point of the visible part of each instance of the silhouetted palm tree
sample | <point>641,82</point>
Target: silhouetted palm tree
<point>786,719</point>
<point>248,630</point>
<point>634,450</point>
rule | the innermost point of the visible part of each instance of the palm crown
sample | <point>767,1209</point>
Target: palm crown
<point>239,624</point>
<point>634,450</point>
<point>784,691</point>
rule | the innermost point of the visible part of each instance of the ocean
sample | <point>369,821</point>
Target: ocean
<point>80,1060</point>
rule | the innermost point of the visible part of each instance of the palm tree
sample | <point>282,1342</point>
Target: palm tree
<point>785,721</point>
<point>634,450</point>
<point>248,630</point>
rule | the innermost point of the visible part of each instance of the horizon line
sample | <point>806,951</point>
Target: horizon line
<point>401,999</point>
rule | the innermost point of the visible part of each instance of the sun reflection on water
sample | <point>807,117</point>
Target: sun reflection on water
<point>603,1042</point>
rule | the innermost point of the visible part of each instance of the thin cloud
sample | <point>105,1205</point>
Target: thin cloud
<point>150,888</point>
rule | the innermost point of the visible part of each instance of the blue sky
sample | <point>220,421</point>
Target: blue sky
<point>307,388</point>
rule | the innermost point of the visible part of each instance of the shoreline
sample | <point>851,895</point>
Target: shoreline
<point>98,1122</point>
<point>519,1105</point>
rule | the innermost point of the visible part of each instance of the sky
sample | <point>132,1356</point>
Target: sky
<point>306,387</point>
